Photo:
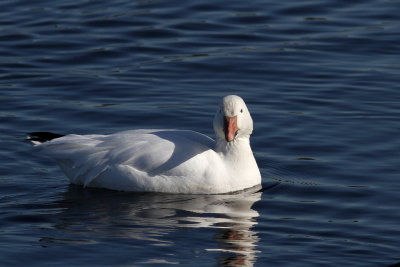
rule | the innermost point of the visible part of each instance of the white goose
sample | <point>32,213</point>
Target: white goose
<point>170,161</point>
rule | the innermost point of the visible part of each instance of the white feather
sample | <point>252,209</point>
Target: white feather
<point>174,161</point>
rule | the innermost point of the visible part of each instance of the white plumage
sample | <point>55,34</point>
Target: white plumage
<point>173,161</point>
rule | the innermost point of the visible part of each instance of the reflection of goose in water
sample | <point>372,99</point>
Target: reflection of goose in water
<point>152,217</point>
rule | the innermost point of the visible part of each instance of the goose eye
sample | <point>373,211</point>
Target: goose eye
<point>241,111</point>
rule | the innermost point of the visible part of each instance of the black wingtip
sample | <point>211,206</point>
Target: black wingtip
<point>41,137</point>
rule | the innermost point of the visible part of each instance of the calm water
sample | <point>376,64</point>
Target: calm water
<point>320,77</point>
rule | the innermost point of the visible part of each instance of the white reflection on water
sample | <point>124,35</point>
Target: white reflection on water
<point>152,217</point>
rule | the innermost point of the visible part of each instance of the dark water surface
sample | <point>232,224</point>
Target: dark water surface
<point>322,79</point>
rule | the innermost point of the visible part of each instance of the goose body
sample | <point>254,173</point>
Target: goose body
<point>170,161</point>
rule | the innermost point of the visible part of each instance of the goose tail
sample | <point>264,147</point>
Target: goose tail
<point>41,137</point>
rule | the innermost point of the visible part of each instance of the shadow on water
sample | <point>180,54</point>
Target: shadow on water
<point>90,214</point>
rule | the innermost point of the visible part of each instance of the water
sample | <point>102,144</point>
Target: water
<point>321,79</point>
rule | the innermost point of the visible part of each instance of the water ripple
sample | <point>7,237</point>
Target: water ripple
<point>320,78</point>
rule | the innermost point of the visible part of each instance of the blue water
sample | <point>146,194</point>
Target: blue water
<point>321,79</point>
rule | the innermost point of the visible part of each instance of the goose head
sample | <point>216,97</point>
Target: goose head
<point>232,120</point>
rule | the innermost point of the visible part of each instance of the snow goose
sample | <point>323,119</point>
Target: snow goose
<point>170,161</point>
